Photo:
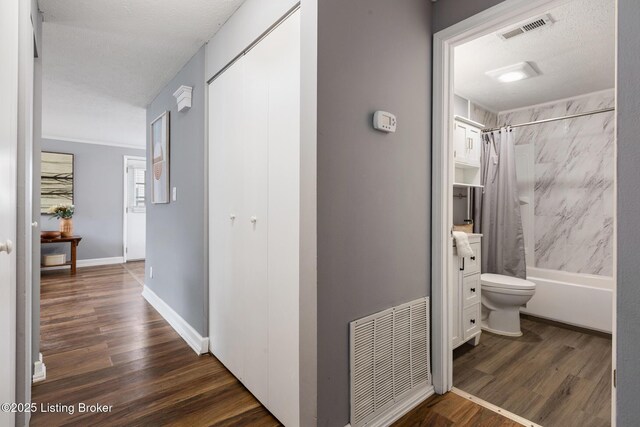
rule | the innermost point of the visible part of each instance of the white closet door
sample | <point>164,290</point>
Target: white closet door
<point>255,223</point>
<point>284,218</point>
<point>226,217</point>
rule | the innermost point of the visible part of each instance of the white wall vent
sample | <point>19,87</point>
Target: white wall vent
<point>389,357</point>
<point>534,24</point>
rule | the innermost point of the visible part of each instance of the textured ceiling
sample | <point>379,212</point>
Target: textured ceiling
<point>104,61</point>
<point>576,55</point>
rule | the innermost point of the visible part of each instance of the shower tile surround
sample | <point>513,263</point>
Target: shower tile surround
<point>574,182</point>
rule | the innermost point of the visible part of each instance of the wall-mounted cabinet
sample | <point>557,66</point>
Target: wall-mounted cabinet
<point>467,150</point>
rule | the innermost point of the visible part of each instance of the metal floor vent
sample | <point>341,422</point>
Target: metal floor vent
<point>389,357</point>
<point>534,24</point>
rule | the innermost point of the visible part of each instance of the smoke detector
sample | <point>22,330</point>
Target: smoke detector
<point>531,25</point>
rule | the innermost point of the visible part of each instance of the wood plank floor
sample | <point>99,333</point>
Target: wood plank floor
<point>452,410</point>
<point>553,376</point>
<point>103,343</point>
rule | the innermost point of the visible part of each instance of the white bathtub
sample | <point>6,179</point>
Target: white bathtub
<point>577,299</point>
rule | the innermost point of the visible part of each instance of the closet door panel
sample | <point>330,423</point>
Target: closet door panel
<point>226,280</point>
<point>255,223</point>
<point>284,219</point>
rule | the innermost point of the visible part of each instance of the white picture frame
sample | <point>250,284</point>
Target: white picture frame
<point>160,159</point>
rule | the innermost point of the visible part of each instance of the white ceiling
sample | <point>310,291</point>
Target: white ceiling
<point>576,55</point>
<point>104,61</point>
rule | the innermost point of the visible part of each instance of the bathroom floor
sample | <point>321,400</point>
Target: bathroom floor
<point>552,375</point>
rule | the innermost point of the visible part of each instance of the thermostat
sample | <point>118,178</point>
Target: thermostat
<point>384,121</point>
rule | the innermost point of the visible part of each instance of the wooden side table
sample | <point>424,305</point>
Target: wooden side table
<point>73,241</point>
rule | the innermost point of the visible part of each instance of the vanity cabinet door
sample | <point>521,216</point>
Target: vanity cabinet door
<point>455,298</point>
<point>471,321</point>
<point>472,263</point>
<point>471,290</point>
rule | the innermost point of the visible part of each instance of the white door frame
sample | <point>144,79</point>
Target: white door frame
<point>126,201</point>
<point>488,21</point>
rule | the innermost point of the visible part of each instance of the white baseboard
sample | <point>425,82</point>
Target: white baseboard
<point>198,343</point>
<point>396,412</point>
<point>94,262</point>
<point>39,370</point>
<point>99,261</point>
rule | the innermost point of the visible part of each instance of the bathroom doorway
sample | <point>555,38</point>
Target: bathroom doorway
<point>524,110</point>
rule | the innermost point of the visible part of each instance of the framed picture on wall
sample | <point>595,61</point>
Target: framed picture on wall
<point>56,177</point>
<point>160,159</point>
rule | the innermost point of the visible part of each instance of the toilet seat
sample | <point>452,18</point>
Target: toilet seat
<point>502,282</point>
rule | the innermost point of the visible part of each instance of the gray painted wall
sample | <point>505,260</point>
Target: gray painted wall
<point>98,197</point>
<point>373,188</point>
<point>628,294</point>
<point>449,12</point>
<point>176,232</point>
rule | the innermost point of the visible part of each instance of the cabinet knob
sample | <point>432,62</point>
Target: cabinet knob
<point>253,219</point>
<point>473,258</point>
<point>6,246</point>
<point>232,217</point>
<point>472,289</point>
<point>473,321</point>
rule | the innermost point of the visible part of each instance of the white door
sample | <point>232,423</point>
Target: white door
<point>284,219</point>
<point>459,141</point>
<point>254,175</point>
<point>227,219</point>
<point>135,212</point>
<point>255,121</point>
<point>474,150</point>
<point>8,202</point>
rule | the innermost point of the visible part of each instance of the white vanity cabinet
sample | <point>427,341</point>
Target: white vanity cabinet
<point>465,289</point>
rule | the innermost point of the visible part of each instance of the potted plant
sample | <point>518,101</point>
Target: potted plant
<point>65,214</point>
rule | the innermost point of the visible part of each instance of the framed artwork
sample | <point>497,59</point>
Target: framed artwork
<point>56,177</point>
<point>160,159</point>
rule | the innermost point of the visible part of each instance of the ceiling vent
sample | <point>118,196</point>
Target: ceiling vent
<point>534,24</point>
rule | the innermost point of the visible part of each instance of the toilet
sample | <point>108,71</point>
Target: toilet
<point>502,297</point>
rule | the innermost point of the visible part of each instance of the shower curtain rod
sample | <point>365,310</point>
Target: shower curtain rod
<point>588,113</point>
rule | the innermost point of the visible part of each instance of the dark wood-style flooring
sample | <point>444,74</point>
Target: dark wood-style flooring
<point>552,375</point>
<point>452,410</point>
<point>104,344</point>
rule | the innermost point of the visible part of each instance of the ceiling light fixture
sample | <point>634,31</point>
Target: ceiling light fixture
<point>513,73</point>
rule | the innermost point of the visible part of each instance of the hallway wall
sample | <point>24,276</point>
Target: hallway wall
<point>176,232</point>
<point>373,188</point>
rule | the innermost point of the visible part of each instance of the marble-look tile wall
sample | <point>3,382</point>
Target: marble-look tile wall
<point>574,183</point>
<point>484,116</point>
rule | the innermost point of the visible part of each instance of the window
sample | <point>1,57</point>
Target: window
<point>136,177</point>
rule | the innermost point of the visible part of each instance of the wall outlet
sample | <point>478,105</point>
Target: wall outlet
<point>150,272</point>
<point>175,194</point>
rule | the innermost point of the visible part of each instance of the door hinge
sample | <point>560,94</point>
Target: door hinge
<point>126,250</point>
<point>615,376</point>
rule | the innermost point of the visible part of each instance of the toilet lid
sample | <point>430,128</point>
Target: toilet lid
<point>508,282</point>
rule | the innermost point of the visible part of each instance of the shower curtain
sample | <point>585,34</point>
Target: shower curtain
<point>497,207</point>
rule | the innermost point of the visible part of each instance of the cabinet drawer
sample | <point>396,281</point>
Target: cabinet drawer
<point>471,321</point>
<point>471,290</point>
<point>472,263</point>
